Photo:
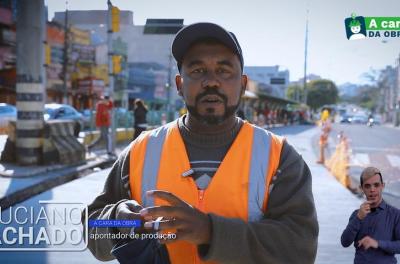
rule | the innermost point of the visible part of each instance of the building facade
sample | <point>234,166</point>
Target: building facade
<point>148,52</point>
<point>272,80</point>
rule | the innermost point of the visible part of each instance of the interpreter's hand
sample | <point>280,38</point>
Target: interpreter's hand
<point>365,209</point>
<point>191,224</point>
<point>128,210</point>
<point>368,242</point>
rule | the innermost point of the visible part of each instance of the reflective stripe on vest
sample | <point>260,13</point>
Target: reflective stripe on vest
<point>151,165</point>
<point>258,173</point>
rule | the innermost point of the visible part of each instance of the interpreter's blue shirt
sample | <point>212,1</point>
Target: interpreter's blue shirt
<point>383,225</point>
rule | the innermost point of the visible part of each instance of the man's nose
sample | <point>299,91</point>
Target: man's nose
<point>210,80</point>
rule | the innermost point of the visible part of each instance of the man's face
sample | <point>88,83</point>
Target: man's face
<point>356,29</point>
<point>372,189</point>
<point>211,82</point>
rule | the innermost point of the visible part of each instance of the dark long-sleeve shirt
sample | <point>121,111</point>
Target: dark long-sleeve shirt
<point>383,225</point>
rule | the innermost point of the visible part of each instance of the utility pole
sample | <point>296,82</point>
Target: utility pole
<point>65,56</point>
<point>305,62</point>
<point>30,80</point>
<point>111,145</point>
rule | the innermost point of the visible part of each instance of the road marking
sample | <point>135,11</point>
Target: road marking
<point>376,149</point>
<point>361,159</point>
<point>394,160</point>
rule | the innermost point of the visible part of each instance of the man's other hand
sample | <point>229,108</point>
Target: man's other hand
<point>368,242</point>
<point>128,210</point>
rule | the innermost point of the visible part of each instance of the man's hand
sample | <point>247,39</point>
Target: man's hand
<point>368,242</point>
<point>365,209</point>
<point>191,224</point>
<point>128,210</point>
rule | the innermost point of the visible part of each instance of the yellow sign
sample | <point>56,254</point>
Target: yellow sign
<point>115,19</point>
<point>117,64</point>
<point>80,36</point>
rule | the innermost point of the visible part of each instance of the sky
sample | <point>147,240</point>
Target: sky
<point>272,32</point>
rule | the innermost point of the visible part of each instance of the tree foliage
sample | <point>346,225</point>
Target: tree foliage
<point>367,97</point>
<point>291,91</point>
<point>321,92</point>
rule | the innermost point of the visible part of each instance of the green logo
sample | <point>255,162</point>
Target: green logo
<point>359,27</point>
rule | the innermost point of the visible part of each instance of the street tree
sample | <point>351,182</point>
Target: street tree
<point>292,90</point>
<point>321,92</point>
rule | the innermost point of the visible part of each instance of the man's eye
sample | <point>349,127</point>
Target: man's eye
<point>222,70</point>
<point>200,70</point>
<point>224,73</point>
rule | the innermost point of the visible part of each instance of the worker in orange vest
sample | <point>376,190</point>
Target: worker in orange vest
<point>209,186</point>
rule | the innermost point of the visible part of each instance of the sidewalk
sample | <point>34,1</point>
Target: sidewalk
<point>18,183</point>
<point>333,201</point>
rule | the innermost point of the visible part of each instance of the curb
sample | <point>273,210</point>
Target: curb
<point>63,176</point>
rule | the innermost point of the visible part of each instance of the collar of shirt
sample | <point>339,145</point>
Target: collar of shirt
<point>382,205</point>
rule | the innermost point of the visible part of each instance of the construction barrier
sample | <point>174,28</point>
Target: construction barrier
<point>121,135</point>
<point>338,163</point>
<point>60,144</point>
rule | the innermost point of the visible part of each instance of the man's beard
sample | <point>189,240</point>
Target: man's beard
<point>210,118</point>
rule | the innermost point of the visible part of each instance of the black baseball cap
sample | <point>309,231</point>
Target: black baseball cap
<point>188,35</point>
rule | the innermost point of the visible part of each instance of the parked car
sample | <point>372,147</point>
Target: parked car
<point>7,112</point>
<point>348,119</point>
<point>89,118</point>
<point>63,112</point>
<point>360,119</point>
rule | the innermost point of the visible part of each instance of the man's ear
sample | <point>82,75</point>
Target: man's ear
<point>179,84</point>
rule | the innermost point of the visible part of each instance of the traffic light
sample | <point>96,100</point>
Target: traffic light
<point>117,67</point>
<point>115,19</point>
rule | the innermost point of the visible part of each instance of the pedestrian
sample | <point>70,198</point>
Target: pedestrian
<point>103,121</point>
<point>140,113</point>
<point>230,191</point>
<point>375,227</point>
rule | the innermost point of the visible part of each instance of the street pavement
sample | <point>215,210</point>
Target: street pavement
<point>377,146</point>
<point>334,205</point>
<point>82,190</point>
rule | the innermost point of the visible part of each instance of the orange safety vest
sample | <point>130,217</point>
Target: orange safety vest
<point>239,188</point>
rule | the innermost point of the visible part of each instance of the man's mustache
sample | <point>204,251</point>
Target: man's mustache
<point>211,91</point>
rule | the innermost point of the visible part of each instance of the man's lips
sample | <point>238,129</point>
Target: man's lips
<point>211,99</point>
